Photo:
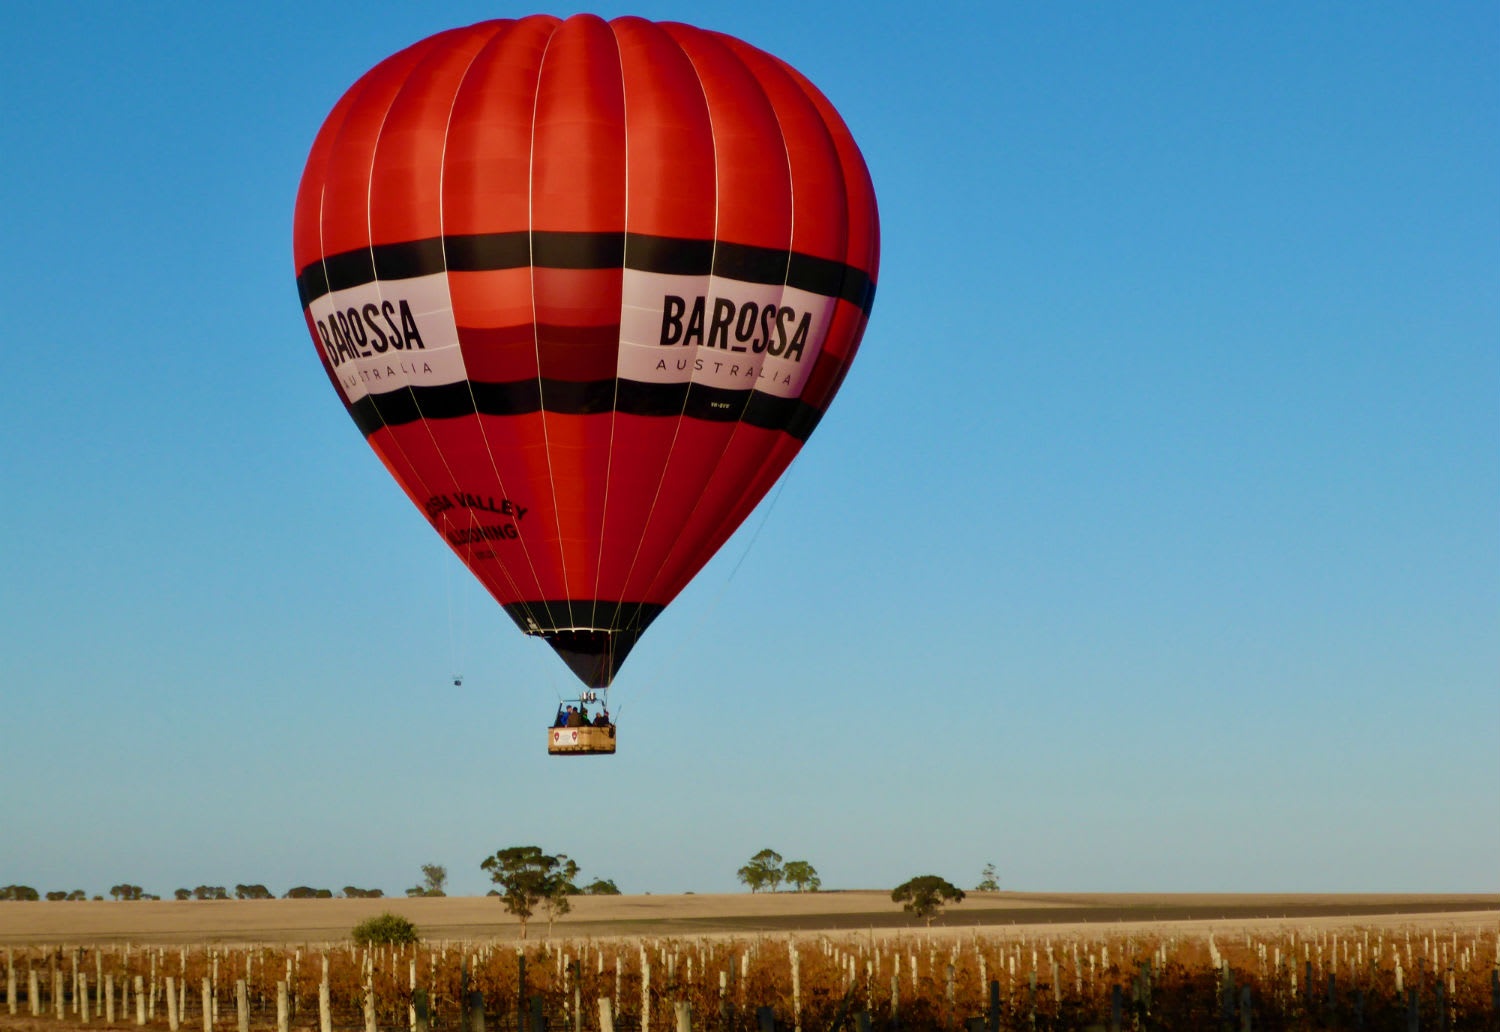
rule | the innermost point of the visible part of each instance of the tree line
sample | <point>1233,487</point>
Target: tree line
<point>527,878</point>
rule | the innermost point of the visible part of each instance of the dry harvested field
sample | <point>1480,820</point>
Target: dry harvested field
<point>475,918</point>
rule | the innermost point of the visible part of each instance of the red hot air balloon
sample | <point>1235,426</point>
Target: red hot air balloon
<point>585,286</point>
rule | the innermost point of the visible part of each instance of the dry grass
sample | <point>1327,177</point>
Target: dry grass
<point>328,920</point>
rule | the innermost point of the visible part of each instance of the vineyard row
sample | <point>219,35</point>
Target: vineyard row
<point>1292,979</point>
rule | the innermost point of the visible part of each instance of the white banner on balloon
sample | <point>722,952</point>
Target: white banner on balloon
<point>383,336</point>
<point>720,332</point>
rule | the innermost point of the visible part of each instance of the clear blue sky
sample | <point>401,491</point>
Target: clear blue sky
<point>1153,542</point>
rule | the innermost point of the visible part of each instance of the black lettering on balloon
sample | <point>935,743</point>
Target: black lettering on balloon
<point>718,328</point>
<point>380,343</point>
<point>671,318</point>
<point>490,532</point>
<point>799,339</point>
<point>328,348</point>
<point>766,315</point>
<point>413,337</point>
<point>744,326</point>
<point>339,322</point>
<point>389,311</point>
<point>357,331</point>
<point>694,329</point>
<point>779,346</point>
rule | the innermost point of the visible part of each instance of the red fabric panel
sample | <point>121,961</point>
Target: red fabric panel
<point>638,455</point>
<point>754,187</point>
<point>671,192</point>
<point>578,185</point>
<point>486,175</point>
<point>820,217</point>
<point>695,451</point>
<point>578,164</point>
<point>864,222</point>
<point>753,206</point>
<point>450,456</point>
<point>406,177</point>
<point>670,138</point>
<point>486,189</point>
<point>307,222</point>
<point>751,463</point>
<point>346,183</point>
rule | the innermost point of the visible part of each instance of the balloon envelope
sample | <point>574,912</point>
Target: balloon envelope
<point>585,287</point>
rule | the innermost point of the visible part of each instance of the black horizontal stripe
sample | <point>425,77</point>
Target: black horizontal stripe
<point>711,404</point>
<point>483,252</point>
<point>601,616</point>
<point>349,268</point>
<point>677,256</point>
<point>403,261</point>
<point>751,264</point>
<point>671,256</point>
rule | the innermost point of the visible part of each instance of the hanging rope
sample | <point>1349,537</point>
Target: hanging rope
<point>723,590</point>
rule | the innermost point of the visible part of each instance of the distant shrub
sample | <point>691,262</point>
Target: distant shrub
<point>384,930</point>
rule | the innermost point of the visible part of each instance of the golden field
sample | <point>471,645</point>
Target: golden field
<point>479,917</point>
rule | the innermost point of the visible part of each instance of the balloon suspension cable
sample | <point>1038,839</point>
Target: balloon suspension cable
<point>708,610</point>
<point>459,638</point>
<point>452,636</point>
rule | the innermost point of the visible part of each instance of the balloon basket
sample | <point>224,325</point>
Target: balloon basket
<point>581,741</point>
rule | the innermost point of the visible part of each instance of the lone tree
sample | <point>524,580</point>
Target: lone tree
<point>803,875</point>
<point>601,887</point>
<point>526,877</point>
<point>990,882</point>
<point>126,891</point>
<point>434,877</point>
<point>252,892</point>
<point>764,869</point>
<point>560,888</point>
<point>925,895</point>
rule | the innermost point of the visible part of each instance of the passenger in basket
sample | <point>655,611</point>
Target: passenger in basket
<point>575,719</point>
<point>602,720</point>
<point>562,717</point>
